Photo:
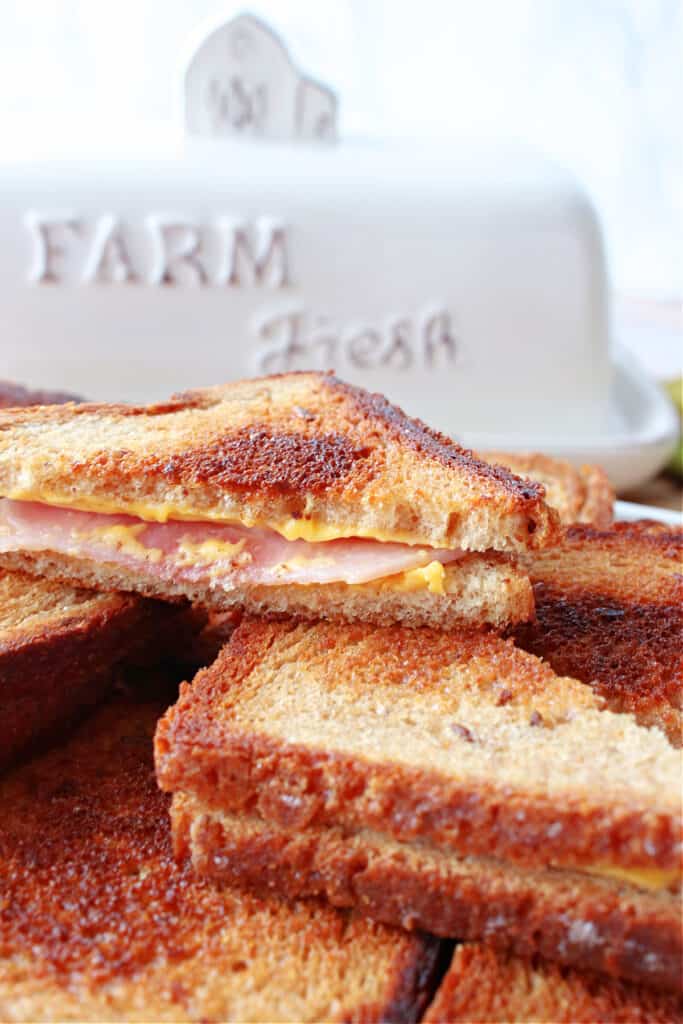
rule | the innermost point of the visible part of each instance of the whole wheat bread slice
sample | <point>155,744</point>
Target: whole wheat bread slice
<point>573,917</point>
<point>579,495</point>
<point>60,648</point>
<point>485,986</point>
<point>297,446</point>
<point>609,611</point>
<point>99,923</point>
<point>480,590</point>
<point>459,739</point>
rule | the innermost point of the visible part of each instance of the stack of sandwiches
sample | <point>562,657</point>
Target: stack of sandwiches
<point>431,769</point>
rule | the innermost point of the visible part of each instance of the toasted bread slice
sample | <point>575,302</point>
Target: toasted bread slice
<point>582,495</point>
<point>460,739</point>
<point>457,743</point>
<point>484,986</point>
<point>478,590</point>
<point>590,921</point>
<point>99,923</point>
<point>300,447</point>
<point>60,648</point>
<point>610,612</point>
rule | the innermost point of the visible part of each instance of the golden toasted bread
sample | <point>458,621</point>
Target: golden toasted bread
<point>484,986</point>
<point>60,648</point>
<point>582,495</point>
<point>301,446</point>
<point>458,743</point>
<point>98,923</point>
<point>462,727</point>
<point>587,920</point>
<point>609,607</point>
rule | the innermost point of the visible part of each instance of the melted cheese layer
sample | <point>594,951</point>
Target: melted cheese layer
<point>430,577</point>
<point>124,538</point>
<point>290,529</point>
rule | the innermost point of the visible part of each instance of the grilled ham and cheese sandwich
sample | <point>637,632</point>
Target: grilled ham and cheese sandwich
<point>98,923</point>
<point>449,782</point>
<point>291,494</point>
<point>609,611</point>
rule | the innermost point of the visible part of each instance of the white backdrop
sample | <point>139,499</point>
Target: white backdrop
<point>598,84</point>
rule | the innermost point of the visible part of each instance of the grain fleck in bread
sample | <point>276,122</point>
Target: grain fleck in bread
<point>609,611</point>
<point>582,495</point>
<point>59,650</point>
<point>103,925</point>
<point>576,918</point>
<point>483,987</point>
<point>293,446</point>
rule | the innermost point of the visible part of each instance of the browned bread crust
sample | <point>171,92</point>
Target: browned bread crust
<point>101,924</point>
<point>582,495</point>
<point>568,916</point>
<point>59,650</point>
<point>459,739</point>
<point>485,986</point>
<point>292,446</point>
<point>609,607</point>
<point>482,590</point>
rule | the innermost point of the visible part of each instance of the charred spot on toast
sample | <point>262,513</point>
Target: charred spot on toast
<point>609,611</point>
<point>659,538</point>
<point>630,653</point>
<point>259,458</point>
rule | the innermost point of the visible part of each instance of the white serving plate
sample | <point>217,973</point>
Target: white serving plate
<point>629,511</point>
<point>642,428</point>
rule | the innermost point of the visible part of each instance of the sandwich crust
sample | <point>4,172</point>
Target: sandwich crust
<point>589,922</point>
<point>102,924</point>
<point>303,447</point>
<point>609,611</point>
<point>485,985</point>
<point>458,739</point>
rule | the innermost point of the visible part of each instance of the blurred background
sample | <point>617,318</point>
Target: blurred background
<point>595,84</point>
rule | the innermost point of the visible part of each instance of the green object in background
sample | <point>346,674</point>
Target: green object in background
<point>675,390</point>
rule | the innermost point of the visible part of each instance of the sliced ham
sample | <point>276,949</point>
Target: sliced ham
<point>193,550</point>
